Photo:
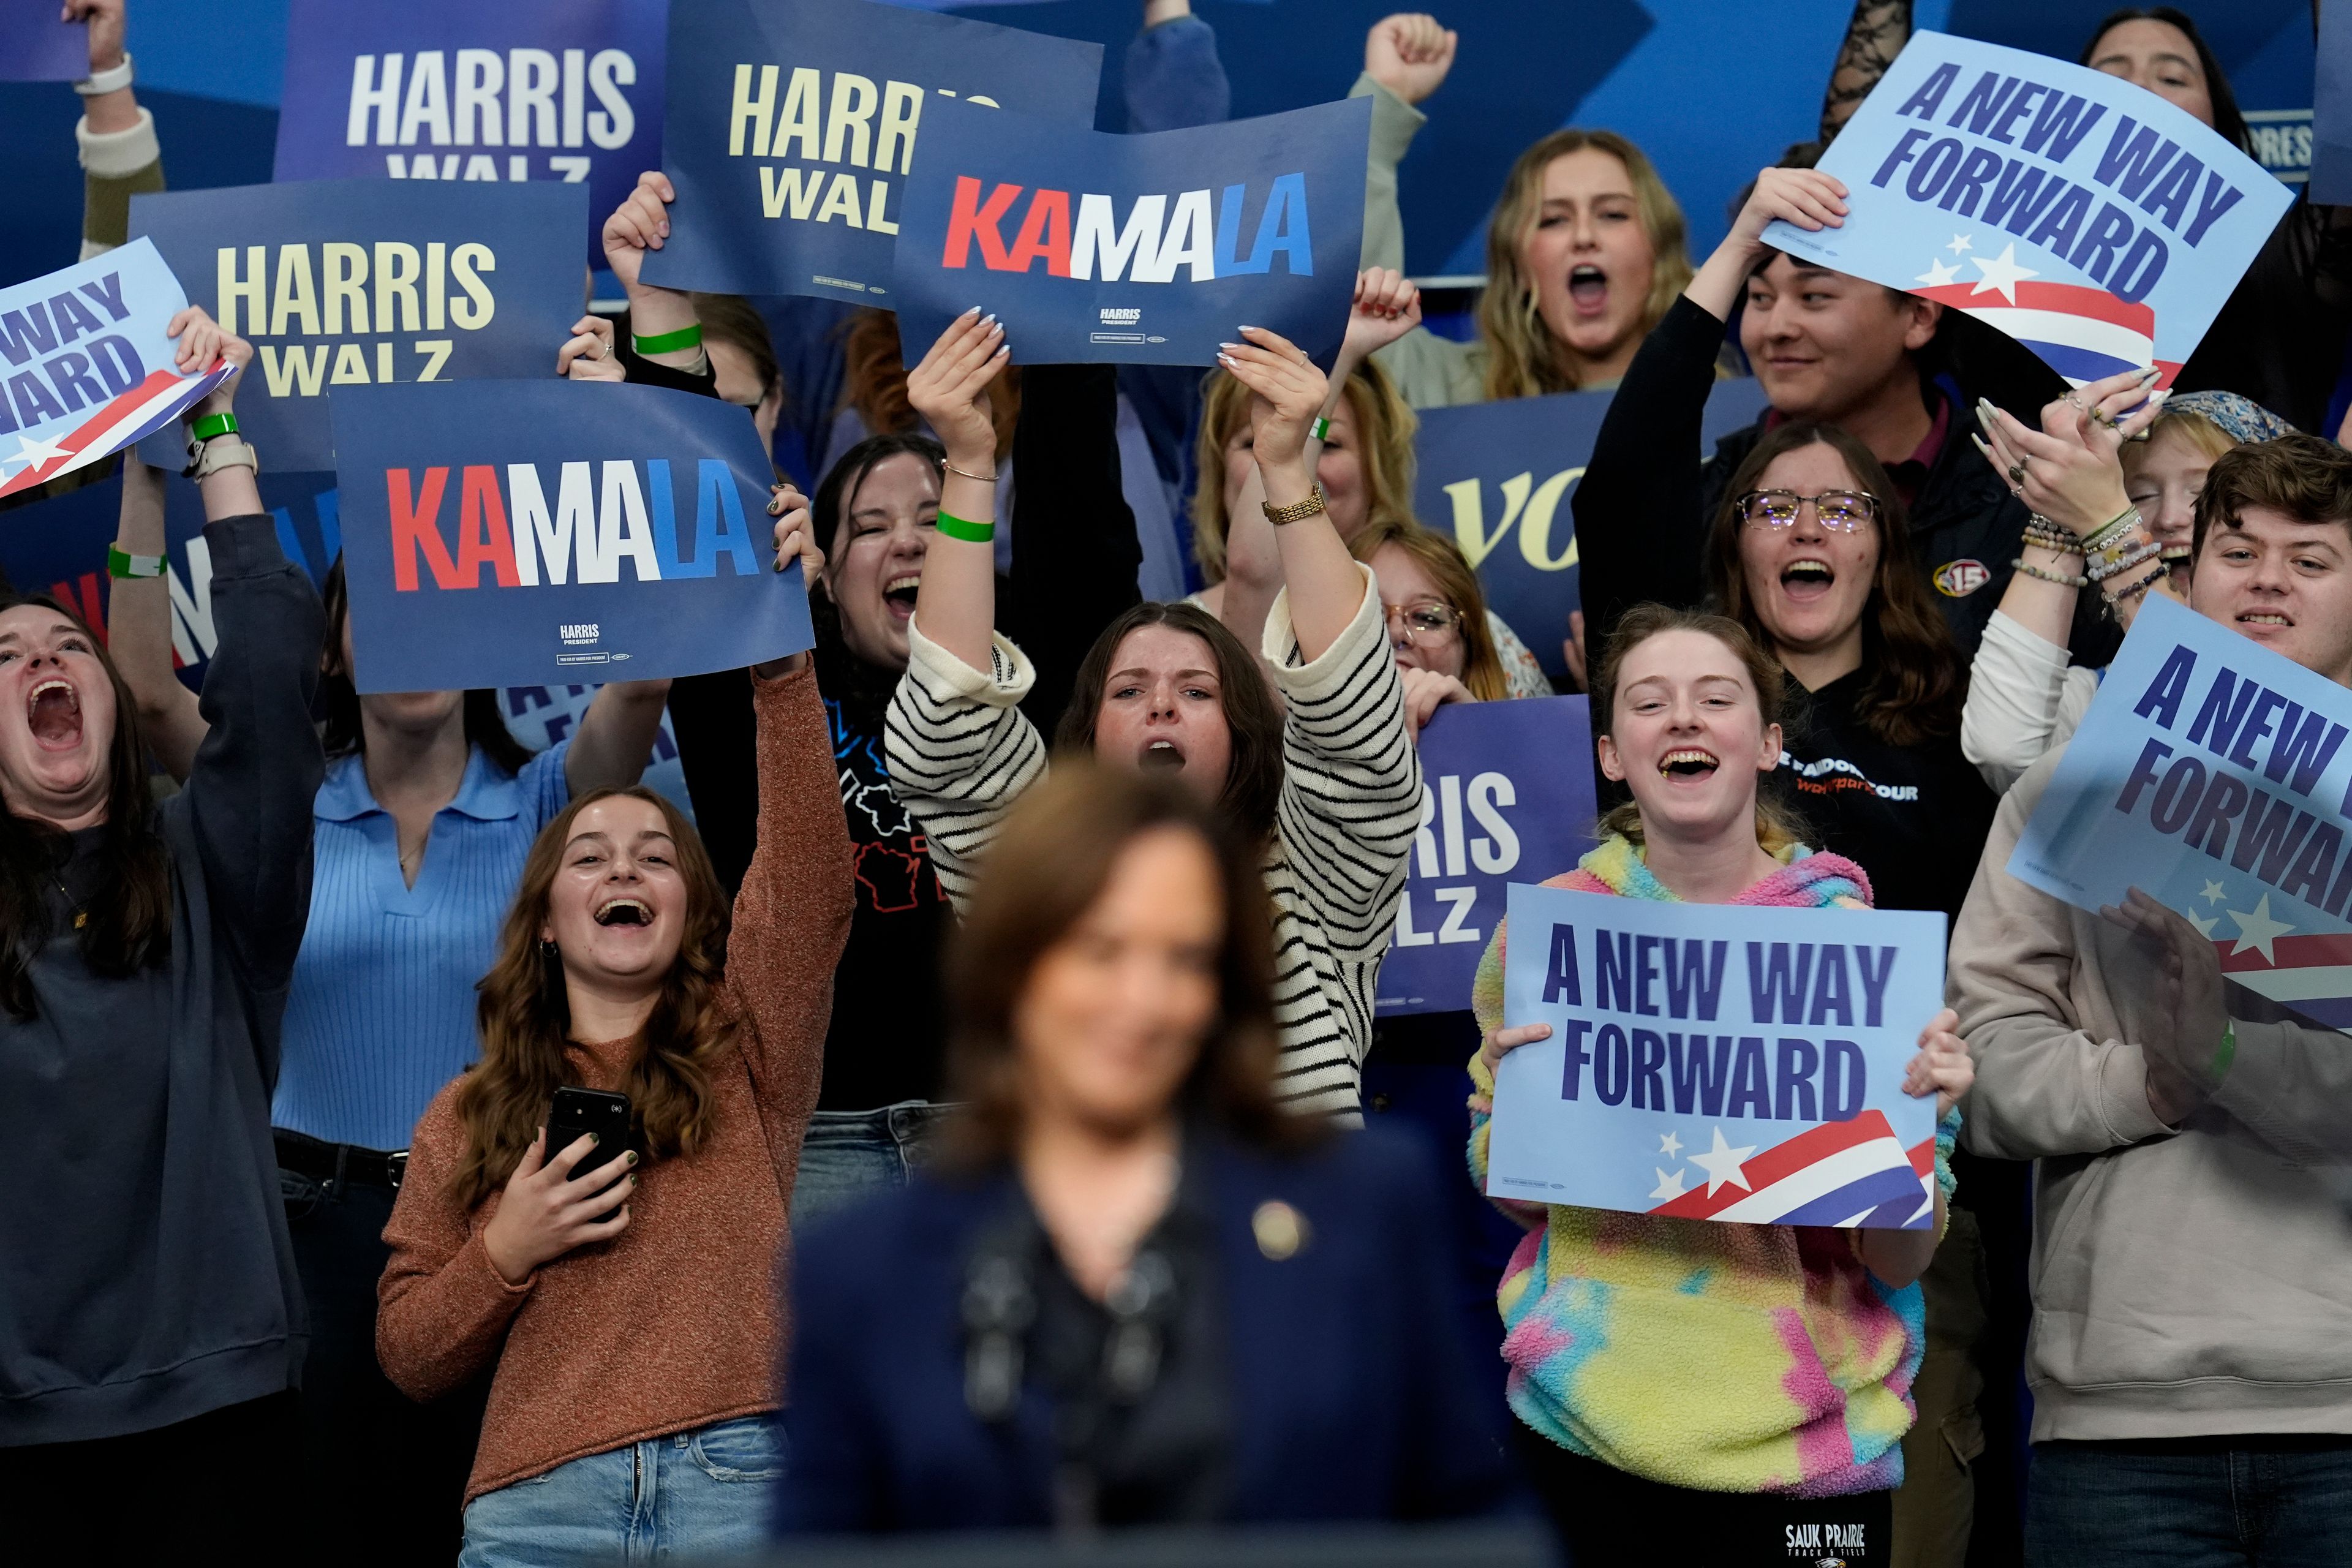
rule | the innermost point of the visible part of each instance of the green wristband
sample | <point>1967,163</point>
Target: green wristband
<point>121,563</point>
<point>955,527</point>
<point>212,425</point>
<point>2224,1054</point>
<point>1319,430</point>
<point>670,342</point>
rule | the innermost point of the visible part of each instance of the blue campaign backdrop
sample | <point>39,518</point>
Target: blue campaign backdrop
<point>1714,1062</point>
<point>1645,68</point>
<point>89,368</point>
<point>2084,216</point>
<point>1501,475</point>
<point>568,90</point>
<point>2211,774</point>
<point>345,283</point>
<point>538,532</point>
<point>1149,249</point>
<point>793,123</point>
<point>2331,128</point>
<point>1505,797</point>
<point>58,546</point>
<point>35,46</point>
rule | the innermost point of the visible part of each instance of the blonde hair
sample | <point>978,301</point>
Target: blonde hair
<point>1385,429</point>
<point>1523,357</point>
<point>2190,427</point>
<point>1482,667</point>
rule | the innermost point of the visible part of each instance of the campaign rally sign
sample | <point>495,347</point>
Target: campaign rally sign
<point>2211,774</point>
<point>1491,469</point>
<point>87,368</point>
<point>344,283</point>
<point>2084,216</point>
<point>1505,797</point>
<point>35,46</point>
<point>1149,249</point>
<point>454,89</point>
<point>792,127</point>
<point>1717,1062</point>
<point>531,533</point>
<point>2331,115</point>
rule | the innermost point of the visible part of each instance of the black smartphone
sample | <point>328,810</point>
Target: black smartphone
<point>578,1111</point>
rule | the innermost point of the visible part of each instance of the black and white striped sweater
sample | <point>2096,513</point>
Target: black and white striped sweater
<point>961,753</point>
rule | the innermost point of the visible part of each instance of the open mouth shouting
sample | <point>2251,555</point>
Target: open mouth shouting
<point>1588,289</point>
<point>624,911</point>
<point>1689,765</point>
<point>1808,579</point>
<point>898,593</point>
<point>1162,754</point>
<point>53,712</point>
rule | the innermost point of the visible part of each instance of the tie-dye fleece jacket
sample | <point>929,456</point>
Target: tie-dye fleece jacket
<point>1738,1358</point>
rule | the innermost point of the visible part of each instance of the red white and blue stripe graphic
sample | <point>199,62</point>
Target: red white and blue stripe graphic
<point>2082,334</point>
<point>1838,1173</point>
<point>2311,975</point>
<point>142,411</point>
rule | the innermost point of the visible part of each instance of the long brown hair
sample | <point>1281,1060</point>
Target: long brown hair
<point>1254,778</point>
<point>343,733</point>
<point>1482,667</point>
<point>1916,681</point>
<point>525,1018</point>
<point>1046,867</point>
<point>1777,827</point>
<point>130,912</point>
<point>1522,356</point>
<point>1385,427</point>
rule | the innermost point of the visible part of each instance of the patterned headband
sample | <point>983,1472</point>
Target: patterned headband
<point>2240,419</point>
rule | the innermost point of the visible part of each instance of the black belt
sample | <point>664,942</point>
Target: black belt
<point>345,1165</point>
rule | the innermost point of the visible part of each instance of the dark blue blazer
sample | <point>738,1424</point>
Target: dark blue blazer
<point>1349,1401</point>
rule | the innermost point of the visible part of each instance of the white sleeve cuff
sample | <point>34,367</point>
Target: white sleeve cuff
<point>946,679</point>
<point>118,154</point>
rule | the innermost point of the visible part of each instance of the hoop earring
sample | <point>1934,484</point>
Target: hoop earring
<point>548,950</point>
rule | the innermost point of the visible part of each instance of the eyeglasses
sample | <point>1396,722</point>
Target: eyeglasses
<point>1424,623</point>
<point>1841,511</point>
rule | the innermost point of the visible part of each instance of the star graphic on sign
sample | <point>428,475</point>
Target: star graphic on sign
<point>1670,1183</point>
<point>1721,1165</point>
<point>33,454</point>
<point>1959,243</point>
<point>1669,1144</point>
<point>2002,273</point>
<point>2205,926</point>
<point>2257,930</point>
<point>1938,273</point>
<point>2212,893</point>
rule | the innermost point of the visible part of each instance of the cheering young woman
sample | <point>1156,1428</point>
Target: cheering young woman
<point>1720,1383</point>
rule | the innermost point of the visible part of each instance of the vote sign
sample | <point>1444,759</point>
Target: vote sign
<point>567,90</point>
<point>1147,249</point>
<point>1717,1062</point>
<point>531,533</point>
<point>344,283</point>
<point>2212,774</point>
<point>2084,216</point>
<point>793,126</point>
<point>86,368</point>
<point>1506,795</point>
<point>1502,475</point>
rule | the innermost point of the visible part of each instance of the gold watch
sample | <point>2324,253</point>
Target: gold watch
<point>1279,515</point>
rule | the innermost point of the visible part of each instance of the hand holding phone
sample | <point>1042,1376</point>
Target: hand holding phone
<point>550,1206</point>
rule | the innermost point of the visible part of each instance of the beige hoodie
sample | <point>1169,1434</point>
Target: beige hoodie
<point>2188,1282</point>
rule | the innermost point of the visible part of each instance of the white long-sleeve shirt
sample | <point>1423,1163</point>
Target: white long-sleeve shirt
<point>961,753</point>
<point>2024,698</point>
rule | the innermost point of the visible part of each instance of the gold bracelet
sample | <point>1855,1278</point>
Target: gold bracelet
<point>1279,515</point>
<point>967,473</point>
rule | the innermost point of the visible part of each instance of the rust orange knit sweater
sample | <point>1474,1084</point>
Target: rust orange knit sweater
<point>672,1324</point>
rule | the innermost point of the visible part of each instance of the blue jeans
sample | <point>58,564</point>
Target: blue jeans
<point>687,1495</point>
<point>2270,1502</point>
<point>849,1154</point>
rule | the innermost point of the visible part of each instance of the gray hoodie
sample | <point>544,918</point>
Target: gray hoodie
<point>2187,1282</point>
<point>145,1274</point>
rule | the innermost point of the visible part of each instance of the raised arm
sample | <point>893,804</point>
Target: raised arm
<point>1386,306</point>
<point>616,738</point>
<point>120,155</point>
<point>251,783</point>
<point>139,624</point>
<point>1406,58</point>
<point>1324,586</point>
<point>1171,77</point>
<point>1873,39</point>
<point>667,333</point>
